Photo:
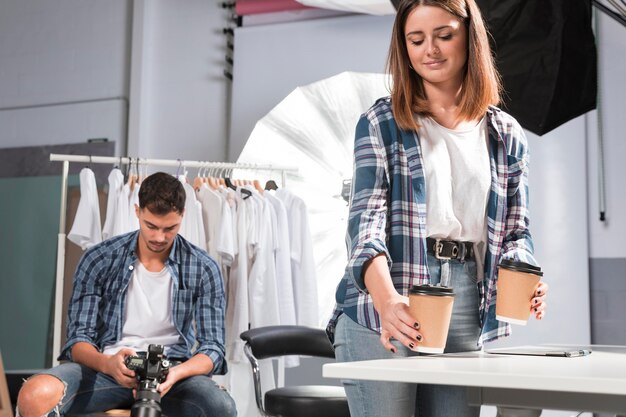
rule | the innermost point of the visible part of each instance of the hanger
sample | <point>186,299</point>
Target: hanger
<point>132,174</point>
<point>257,185</point>
<point>204,169</point>
<point>271,185</point>
<point>227,180</point>
<point>180,170</point>
<point>140,173</point>
<point>218,176</point>
<point>197,182</point>
<point>209,178</point>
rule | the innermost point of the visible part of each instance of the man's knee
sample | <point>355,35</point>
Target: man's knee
<point>226,405</point>
<point>218,402</point>
<point>39,395</point>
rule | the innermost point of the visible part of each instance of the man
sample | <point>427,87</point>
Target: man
<point>150,286</point>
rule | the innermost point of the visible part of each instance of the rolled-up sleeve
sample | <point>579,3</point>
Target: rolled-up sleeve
<point>366,235</point>
<point>518,243</point>
<point>209,316</point>
<point>84,304</point>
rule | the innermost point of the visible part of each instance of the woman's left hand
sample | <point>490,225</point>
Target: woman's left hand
<point>538,302</point>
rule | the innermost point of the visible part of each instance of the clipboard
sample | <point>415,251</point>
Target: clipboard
<point>551,351</point>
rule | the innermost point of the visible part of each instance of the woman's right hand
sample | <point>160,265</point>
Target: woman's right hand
<point>393,308</point>
<point>397,323</point>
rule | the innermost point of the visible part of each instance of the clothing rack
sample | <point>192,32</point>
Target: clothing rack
<point>89,159</point>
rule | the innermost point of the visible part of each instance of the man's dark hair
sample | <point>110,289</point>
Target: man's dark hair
<point>162,193</point>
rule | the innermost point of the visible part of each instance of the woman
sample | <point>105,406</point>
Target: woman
<point>438,170</point>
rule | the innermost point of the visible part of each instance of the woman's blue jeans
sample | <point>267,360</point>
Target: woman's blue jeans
<point>354,342</point>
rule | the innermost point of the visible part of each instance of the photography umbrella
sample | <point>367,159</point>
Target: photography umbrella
<point>313,129</point>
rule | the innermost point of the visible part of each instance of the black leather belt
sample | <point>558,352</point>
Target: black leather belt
<point>449,249</point>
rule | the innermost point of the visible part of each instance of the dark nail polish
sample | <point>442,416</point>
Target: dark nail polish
<point>416,325</point>
<point>419,337</point>
<point>411,345</point>
<point>539,292</point>
<point>393,350</point>
<point>535,309</point>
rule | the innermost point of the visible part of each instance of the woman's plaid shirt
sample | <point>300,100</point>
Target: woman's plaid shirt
<point>388,213</point>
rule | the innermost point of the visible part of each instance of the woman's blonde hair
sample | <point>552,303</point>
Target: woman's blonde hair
<point>481,82</point>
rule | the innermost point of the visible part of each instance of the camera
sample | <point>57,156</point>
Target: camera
<point>149,371</point>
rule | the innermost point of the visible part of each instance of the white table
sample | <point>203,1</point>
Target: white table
<point>589,383</point>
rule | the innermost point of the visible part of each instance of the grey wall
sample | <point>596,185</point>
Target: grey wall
<point>608,292</point>
<point>178,91</point>
<point>606,239</point>
<point>63,72</point>
<point>272,60</point>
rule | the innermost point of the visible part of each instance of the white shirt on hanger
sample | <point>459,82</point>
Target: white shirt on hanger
<point>191,226</point>
<point>303,268</point>
<point>133,221</point>
<point>121,223</point>
<point>86,230</point>
<point>116,182</point>
<point>282,260</point>
<point>211,208</point>
<point>226,234</point>
<point>263,288</point>
<point>237,312</point>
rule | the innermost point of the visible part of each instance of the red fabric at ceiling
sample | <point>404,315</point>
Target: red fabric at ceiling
<point>248,7</point>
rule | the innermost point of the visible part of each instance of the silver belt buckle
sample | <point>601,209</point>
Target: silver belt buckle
<point>439,247</point>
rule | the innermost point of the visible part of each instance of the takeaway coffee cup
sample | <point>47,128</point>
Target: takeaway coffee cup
<point>431,307</point>
<point>516,286</point>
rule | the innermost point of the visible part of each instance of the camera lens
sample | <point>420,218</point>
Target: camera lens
<point>146,404</point>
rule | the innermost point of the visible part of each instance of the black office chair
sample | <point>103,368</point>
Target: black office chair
<point>293,401</point>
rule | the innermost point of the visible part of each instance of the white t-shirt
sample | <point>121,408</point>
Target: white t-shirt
<point>458,178</point>
<point>148,312</point>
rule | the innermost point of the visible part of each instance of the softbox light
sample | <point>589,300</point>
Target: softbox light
<point>546,54</point>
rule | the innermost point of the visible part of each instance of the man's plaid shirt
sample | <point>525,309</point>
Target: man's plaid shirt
<point>96,310</point>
